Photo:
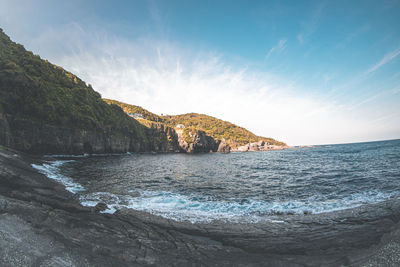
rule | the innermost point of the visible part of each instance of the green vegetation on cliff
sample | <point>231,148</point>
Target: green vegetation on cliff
<point>216,128</point>
<point>136,109</point>
<point>32,88</point>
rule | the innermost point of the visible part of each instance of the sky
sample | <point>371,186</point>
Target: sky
<point>302,72</point>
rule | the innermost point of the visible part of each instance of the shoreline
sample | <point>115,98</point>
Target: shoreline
<point>36,211</point>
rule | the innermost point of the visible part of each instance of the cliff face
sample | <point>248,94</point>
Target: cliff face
<point>163,138</point>
<point>198,141</point>
<point>33,137</point>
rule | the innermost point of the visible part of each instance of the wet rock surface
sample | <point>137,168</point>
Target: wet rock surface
<point>41,224</point>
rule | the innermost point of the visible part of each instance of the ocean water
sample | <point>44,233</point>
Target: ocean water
<point>235,187</point>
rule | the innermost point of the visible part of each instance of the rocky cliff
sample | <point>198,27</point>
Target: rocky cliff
<point>163,138</point>
<point>203,133</point>
<point>198,141</point>
<point>46,109</point>
<point>34,137</point>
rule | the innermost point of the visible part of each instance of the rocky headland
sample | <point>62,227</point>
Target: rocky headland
<point>199,133</point>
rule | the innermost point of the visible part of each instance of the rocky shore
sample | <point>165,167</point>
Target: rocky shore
<point>259,146</point>
<point>41,224</point>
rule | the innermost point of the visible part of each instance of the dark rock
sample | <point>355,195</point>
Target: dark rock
<point>100,207</point>
<point>38,138</point>
<point>162,138</point>
<point>200,143</point>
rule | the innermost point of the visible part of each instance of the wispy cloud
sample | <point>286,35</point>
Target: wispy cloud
<point>156,17</point>
<point>300,38</point>
<point>167,77</point>
<point>310,26</point>
<point>353,35</point>
<point>396,91</point>
<point>386,59</point>
<point>278,48</point>
<point>367,100</point>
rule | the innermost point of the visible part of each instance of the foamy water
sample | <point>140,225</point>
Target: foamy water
<point>52,171</point>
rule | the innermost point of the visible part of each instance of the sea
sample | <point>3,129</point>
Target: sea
<point>237,187</point>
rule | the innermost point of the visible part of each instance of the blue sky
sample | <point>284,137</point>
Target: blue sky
<point>305,72</point>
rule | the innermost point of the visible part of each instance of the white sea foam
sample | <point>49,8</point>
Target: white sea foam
<point>202,209</point>
<point>87,155</point>
<point>52,171</point>
<point>67,156</point>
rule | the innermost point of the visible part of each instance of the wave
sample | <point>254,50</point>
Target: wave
<point>67,156</point>
<point>197,208</point>
<point>52,171</point>
<point>86,155</point>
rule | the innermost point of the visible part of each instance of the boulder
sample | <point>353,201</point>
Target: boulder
<point>223,147</point>
<point>254,147</point>
<point>100,207</point>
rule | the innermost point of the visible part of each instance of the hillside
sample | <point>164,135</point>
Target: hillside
<point>44,108</point>
<point>136,109</point>
<point>35,89</point>
<point>218,129</point>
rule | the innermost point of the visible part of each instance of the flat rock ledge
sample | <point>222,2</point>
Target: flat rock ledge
<point>41,224</point>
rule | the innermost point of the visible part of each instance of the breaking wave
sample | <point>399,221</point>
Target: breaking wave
<point>52,171</point>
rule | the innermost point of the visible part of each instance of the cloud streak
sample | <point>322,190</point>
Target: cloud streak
<point>309,27</point>
<point>278,48</point>
<point>386,59</point>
